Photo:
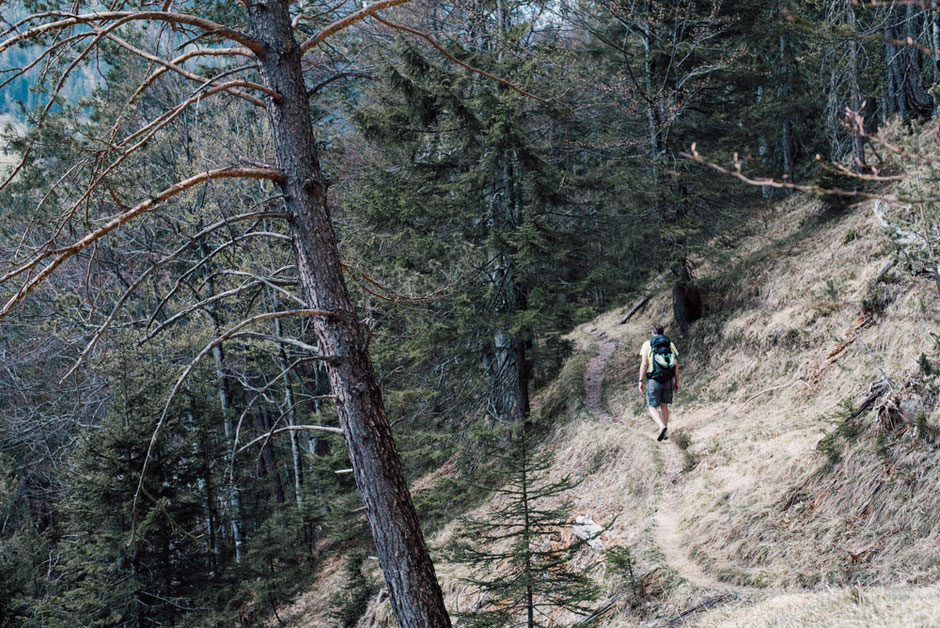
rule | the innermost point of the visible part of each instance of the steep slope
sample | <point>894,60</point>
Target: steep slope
<point>782,498</point>
<point>774,492</point>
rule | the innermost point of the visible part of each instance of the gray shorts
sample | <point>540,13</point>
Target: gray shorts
<point>658,392</point>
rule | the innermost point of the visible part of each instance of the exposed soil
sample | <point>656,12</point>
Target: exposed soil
<point>668,537</point>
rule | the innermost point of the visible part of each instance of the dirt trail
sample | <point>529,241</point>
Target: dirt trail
<point>668,537</point>
<point>594,376</point>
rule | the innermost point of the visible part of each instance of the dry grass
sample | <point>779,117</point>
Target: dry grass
<point>852,541</point>
<point>874,607</point>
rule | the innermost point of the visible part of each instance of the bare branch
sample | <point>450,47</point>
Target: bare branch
<point>303,17</point>
<point>18,72</point>
<point>291,428</point>
<point>179,383</point>
<point>157,265</point>
<point>178,61</point>
<point>389,294</point>
<point>196,306</point>
<point>182,278</point>
<point>71,19</point>
<point>303,346</point>
<point>349,20</point>
<point>169,65</point>
<point>787,185</point>
<point>65,253</point>
<point>467,66</point>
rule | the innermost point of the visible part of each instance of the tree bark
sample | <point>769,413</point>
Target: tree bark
<point>905,89</point>
<point>413,589</point>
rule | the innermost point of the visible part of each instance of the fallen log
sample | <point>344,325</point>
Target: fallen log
<point>704,606</point>
<point>636,307</point>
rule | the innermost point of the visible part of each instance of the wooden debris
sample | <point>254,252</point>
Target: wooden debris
<point>605,607</point>
<point>707,605</point>
<point>862,322</point>
<point>884,270</point>
<point>636,307</point>
<point>368,620</point>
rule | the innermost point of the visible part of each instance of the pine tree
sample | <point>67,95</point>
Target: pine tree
<point>522,573</point>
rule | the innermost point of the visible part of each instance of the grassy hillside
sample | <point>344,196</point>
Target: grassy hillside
<point>782,498</point>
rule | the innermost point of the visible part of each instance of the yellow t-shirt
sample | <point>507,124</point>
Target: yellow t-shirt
<point>647,351</point>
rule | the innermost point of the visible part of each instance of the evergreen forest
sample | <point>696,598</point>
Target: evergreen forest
<point>303,304</point>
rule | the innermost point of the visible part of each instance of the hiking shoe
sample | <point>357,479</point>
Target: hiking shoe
<point>662,434</point>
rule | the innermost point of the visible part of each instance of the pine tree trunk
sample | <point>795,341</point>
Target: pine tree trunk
<point>414,592</point>
<point>905,89</point>
<point>786,140</point>
<point>935,45</point>
<point>267,462</point>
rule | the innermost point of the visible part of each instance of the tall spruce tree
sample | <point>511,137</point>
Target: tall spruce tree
<point>465,193</point>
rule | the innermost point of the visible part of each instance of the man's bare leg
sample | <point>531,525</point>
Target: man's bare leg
<point>664,413</point>
<point>656,414</point>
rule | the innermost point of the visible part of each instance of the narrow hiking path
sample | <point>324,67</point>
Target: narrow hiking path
<point>667,535</point>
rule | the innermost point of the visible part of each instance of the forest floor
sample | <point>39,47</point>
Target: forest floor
<point>773,503</point>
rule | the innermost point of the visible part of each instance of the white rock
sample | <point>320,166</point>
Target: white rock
<point>587,530</point>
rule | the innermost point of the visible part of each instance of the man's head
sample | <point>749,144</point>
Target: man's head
<point>658,330</point>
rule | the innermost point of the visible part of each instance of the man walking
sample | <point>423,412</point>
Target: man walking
<point>659,374</point>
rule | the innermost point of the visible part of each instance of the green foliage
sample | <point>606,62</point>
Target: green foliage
<point>620,563</point>
<point>877,298</point>
<point>511,552</point>
<point>924,366</point>
<point>848,429</point>
<point>350,603</point>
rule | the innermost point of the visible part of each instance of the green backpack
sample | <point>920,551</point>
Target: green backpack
<point>664,360</point>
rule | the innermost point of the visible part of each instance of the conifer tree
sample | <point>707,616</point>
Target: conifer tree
<point>522,573</point>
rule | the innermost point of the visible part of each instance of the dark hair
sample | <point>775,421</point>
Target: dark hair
<point>658,330</point>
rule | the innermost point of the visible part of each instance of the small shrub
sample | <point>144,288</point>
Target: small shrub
<point>682,438</point>
<point>620,563</point>
<point>876,299</point>
<point>791,339</point>
<point>926,368</point>
<point>847,430</point>
<point>352,600</point>
<point>829,446</point>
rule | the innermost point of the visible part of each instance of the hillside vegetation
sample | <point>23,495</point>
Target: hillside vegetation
<point>782,498</point>
<point>310,312</point>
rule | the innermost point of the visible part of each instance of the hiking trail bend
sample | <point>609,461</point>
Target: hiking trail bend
<point>667,535</point>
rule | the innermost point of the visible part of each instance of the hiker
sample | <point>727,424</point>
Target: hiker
<point>659,373</point>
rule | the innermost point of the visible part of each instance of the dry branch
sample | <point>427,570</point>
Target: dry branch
<point>289,428</point>
<point>178,61</point>
<point>464,65</point>
<point>349,20</point>
<point>788,185</point>
<point>63,254</point>
<point>179,383</point>
<point>169,65</point>
<point>70,19</point>
<point>157,265</point>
